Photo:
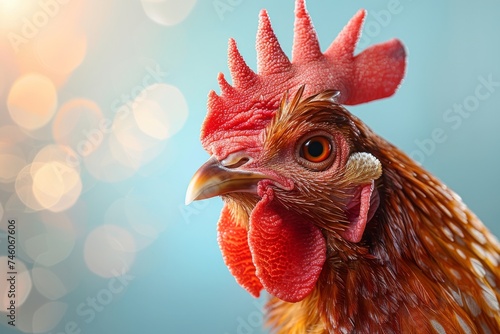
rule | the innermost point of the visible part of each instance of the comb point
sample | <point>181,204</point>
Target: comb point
<point>214,100</point>
<point>225,87</point>
<point>215,107</point>
<point>305,41</point>
<point>270,56</point>
<point>241,74</point>
<point>344,45</point>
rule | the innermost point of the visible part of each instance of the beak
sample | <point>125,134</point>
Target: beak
<point>214,179</point>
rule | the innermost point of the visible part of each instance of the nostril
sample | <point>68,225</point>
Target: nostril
<point>235,160</point>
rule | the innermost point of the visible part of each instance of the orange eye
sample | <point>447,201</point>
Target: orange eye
<point>316,149</point>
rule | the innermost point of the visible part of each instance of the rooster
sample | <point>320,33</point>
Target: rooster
<point>343,230</point>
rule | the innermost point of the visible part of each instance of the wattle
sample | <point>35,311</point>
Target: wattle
<point>281,251</point>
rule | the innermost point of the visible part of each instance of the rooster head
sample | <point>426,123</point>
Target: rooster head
<point>285,154</point>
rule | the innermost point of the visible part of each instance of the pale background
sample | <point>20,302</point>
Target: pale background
<point>115,207</point>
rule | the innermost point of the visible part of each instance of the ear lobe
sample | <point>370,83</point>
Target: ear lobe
<point>359,212</point>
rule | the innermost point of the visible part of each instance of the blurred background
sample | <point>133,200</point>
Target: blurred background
<point>101,106</point>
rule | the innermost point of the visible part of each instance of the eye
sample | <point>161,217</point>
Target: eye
<point>316,151</point>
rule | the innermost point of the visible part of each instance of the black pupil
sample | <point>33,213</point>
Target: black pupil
<point>314,148</point>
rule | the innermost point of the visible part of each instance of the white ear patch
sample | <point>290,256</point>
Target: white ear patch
<point>362,167</point>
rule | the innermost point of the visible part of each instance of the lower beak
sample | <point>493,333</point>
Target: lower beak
<point>214,179</point>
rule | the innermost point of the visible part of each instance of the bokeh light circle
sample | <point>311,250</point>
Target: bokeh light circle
<point>49,182</point>
<point>12,134</point>
<point>32,101</point>
<point>103,166</point>
<point>60,49</point>
<point>130,146</point>
<point>139,133</point>
<point>2,80</point>
<point>109,251</point>
<point>161,112</point>
<point>57,281</point>
<point>151,119</point>
<point>48,316</point>
<point>48,186</point>
<point>59,153</point>
<point>48,284</point>
<point>56,186</point>
<point>24,187</point>
<point>167,12</point>
<point>50,238</point>
<point>79,124</point>
<point>12,160</point>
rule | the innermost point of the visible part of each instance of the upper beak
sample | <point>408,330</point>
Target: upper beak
<point>214,179</point>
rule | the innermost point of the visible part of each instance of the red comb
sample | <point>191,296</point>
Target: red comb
<point>244,109</point>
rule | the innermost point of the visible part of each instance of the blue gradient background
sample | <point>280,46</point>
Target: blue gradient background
<point>179,283</point>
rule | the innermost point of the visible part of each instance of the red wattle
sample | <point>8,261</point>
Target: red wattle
<point>288,251</point>
<point>233,242</point>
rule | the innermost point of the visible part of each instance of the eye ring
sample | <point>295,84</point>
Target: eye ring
<point>315,151</point>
